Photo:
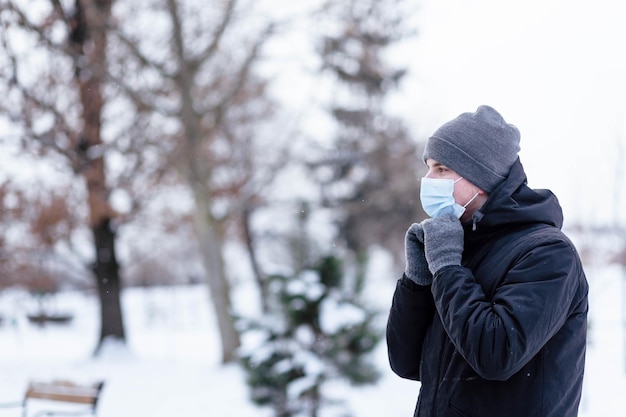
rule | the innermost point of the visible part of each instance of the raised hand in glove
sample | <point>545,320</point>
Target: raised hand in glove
<point>443,242</point>
<point>416,266</point>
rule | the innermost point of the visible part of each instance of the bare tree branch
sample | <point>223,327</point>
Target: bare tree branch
<point>239,81</point>
<point>133,47</point>
<point>217,36</point>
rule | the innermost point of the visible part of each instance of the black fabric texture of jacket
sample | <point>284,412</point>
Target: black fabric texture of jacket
<point>503,335</point>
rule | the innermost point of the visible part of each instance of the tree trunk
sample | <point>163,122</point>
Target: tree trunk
<point>106,270</point>
<point>210,243</point>
<point>88,41</point>
<point>207,233</point>
<point>259,277</point>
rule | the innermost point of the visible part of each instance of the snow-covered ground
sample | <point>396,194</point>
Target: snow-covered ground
<point>171,368</point>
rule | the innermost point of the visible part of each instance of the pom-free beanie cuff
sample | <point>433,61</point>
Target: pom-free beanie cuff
<point>463,164</point>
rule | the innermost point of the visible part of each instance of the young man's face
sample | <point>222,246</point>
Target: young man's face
<point>464,190</point>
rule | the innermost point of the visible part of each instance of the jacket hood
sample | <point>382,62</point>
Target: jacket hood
<point>513,203</point>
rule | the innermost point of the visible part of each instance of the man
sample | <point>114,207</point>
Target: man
<point>491,312</point>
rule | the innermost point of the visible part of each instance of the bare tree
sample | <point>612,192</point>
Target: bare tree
<point>54,94</point>
<point>197,77</point>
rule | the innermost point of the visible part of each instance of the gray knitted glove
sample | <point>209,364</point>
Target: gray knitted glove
<point>416,266</point>
<point>443,242</point>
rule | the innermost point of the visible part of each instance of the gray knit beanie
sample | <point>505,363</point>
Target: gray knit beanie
<point>480,146</point>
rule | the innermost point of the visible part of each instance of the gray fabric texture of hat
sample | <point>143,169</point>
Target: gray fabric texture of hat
<point>480,146</point>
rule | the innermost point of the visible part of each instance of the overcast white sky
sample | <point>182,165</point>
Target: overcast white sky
<point>554,68</point>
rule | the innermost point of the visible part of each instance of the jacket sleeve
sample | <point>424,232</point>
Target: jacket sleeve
<point>498,336</point>
<point>411,314</point>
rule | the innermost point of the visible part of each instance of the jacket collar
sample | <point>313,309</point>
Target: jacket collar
<point>513,203</point>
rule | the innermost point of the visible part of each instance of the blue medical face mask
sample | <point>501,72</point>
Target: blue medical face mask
<point>437,197</point>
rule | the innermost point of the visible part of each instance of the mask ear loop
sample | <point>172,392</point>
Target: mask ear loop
<point>471,199</point>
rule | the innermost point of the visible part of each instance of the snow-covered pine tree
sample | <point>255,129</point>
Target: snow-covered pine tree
<point>317,331</point>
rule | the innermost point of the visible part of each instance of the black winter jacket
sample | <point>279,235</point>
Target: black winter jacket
<point>504,334</point>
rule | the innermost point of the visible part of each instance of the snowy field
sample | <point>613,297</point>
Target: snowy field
<point>171,368</point>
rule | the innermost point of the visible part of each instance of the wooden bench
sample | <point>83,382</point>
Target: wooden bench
<point>62,392</point>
